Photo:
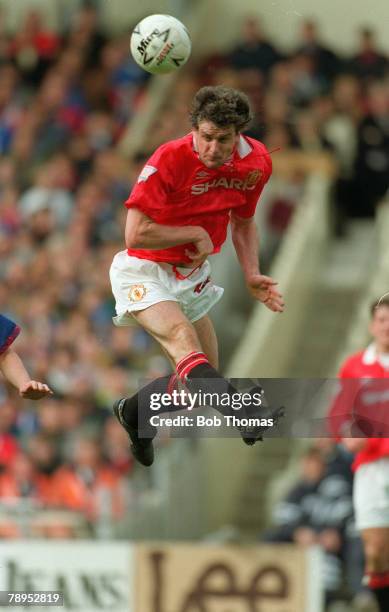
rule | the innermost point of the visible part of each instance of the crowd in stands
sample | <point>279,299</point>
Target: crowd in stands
<point>65,100</point>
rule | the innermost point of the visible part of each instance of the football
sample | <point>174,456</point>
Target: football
<point>160,44</point>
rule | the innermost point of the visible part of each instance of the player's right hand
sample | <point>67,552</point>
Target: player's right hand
<point>35,390</point>
<point>204,247</point>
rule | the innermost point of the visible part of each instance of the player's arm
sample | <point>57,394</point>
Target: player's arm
<point>144,233</point>
<point>342,423</point>
<point>14,372</point>
<point>246,243</point>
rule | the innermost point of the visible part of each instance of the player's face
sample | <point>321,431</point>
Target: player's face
<point>215,145</point>
<point>379,328</point>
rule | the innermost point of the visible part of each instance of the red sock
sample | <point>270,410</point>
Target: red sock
<point>186,364</point>
<point>377,580</point>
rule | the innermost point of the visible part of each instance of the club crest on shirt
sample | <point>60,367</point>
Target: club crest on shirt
<point>146,173</point>
<point>252,178</point>
<point>137,293</point>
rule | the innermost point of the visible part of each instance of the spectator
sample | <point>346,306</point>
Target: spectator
<point>339,471</point>
<point>115,445</point>
<point>88,484</point>
<point>34,48</point>
<point>85,34</point>
<point>254,50</point>
<point>44,454</point>
<point>20,481</point>
<point>308,83</point>
<point>369,62</point>
<point>371,170</point>
<point>326,62</point>
<point>307,134</point>
<point>10,105</point>
<point>316,511</point>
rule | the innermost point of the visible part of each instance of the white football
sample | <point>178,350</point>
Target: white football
<point>160,44</point>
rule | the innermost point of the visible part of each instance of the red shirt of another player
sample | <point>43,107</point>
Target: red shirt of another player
<point>363,398</point>
<point>175,188</point>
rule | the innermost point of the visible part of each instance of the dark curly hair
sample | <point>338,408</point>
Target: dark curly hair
<point>223,106</point>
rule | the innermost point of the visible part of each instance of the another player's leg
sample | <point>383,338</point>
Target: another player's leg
<point>376,547</point>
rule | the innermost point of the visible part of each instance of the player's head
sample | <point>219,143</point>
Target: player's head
<point>379,324</point>
<point>218,115</point>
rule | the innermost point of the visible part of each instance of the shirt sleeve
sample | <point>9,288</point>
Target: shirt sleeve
<point>252,197</point>
<point>340,415</point>
<point>154,184</point>
<point>9,331</point>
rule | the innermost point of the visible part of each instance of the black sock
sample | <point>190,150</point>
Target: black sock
<point>382,596</point>
<point>203,378</point>
<point>207,379</point>
<point>137,409</point>
<point>211,382</point>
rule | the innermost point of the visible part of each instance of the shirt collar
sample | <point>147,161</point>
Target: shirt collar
<point>244,147</point>
<point>370,355</point>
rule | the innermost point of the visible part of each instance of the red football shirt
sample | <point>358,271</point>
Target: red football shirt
<point>364,400</point>
<point>175,188</point>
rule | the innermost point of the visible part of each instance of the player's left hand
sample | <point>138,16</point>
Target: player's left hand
<point>34,390</point>
<point>262,288</point>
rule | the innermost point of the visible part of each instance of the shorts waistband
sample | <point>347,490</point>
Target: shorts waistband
<point>181,272</point>
<point>184,266</point>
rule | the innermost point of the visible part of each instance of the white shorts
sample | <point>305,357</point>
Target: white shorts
<point>371,495</point>
<point>140,283</point>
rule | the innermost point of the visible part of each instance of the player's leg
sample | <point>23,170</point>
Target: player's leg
<point>191,347</point>
<point>164,319</point>
<point>208,340</point>
<point>193,350</point>
<point>167,323</point>
<point>209,345</point>
<point>179,338</point>
<point>371,505</point>
<point>376,547</point>
<point>181,341</point>
<point>376,544</point>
